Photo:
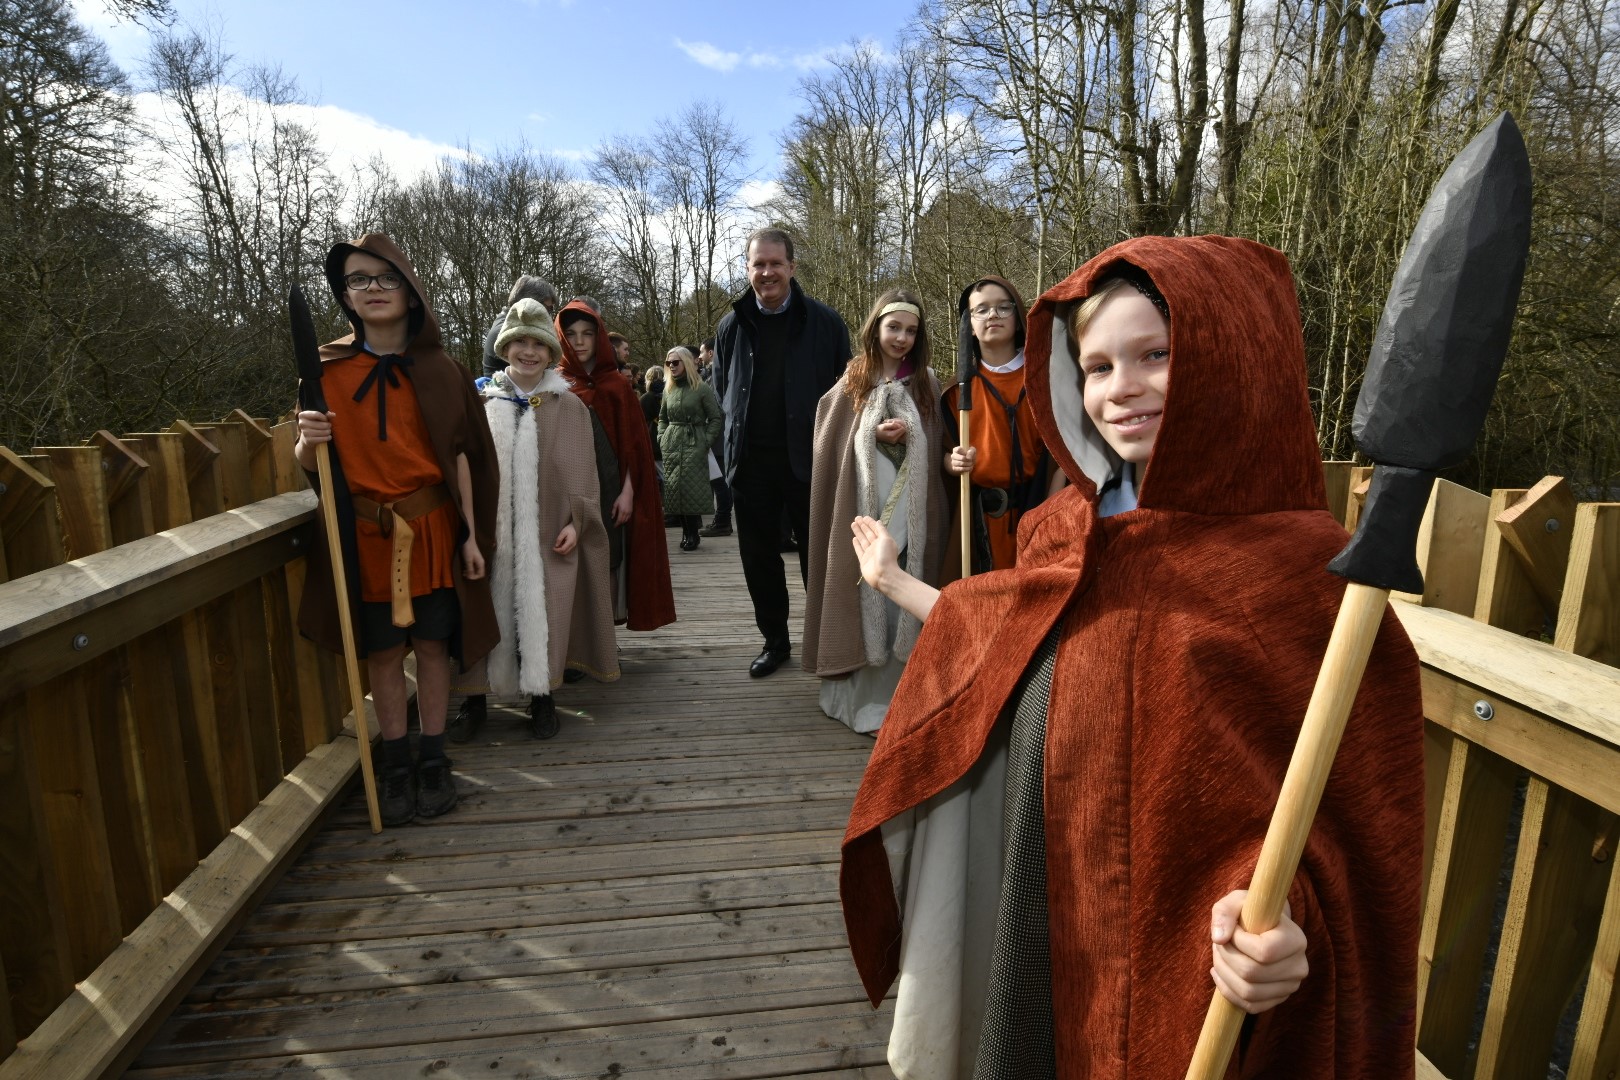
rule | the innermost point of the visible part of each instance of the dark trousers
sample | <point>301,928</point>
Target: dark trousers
<point>763,489</point>
<point>722,499</point>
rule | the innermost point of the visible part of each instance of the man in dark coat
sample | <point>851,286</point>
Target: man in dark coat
<point>777,351</point>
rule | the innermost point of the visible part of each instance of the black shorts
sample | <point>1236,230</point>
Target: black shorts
<point>437,616</point>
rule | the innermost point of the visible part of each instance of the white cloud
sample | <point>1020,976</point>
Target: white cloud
<point>756,193</point>
<point>764,60</point>
<point>709,56</point>
<point>349,139</point>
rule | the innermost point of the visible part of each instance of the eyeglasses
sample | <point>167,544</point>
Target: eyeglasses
<point>387,282</point>
<point>673,364</point>
<point>984,311</point>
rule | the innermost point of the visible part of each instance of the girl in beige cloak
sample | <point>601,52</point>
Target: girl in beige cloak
<point>878,442</point>
<point>549,574</point>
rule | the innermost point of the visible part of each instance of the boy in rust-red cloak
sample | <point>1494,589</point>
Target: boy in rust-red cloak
<point>418,481</point>
<point>1079,765</point>
<point>644,598</point>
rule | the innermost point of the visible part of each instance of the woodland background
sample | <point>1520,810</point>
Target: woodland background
<point>1016,137</point>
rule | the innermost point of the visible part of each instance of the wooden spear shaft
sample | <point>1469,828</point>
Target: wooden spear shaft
<point>967,497</point>
<point>351,662</point>
<point>1360,615</point>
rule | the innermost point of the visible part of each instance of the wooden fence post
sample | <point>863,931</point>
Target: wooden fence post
<point>29,533</point>
<point>1589,624</point>
<point>1336,478</point>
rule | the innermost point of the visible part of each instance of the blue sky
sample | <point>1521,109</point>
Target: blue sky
<point>563,74</point>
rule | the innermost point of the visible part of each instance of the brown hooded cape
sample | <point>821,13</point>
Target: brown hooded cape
<point>611,397</point>
<point>454,416</point>
<point>1191,631</point>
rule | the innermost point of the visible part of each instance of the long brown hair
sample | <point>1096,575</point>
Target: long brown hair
<point>866,369</point>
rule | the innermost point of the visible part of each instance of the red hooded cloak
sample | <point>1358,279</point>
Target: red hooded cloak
<point>613,399</point>
<point>1191,632</point>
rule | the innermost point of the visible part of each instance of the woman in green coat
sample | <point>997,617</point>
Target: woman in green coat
<point>689,421</point>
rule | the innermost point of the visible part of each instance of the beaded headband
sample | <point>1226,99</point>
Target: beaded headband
<point>901,305</point>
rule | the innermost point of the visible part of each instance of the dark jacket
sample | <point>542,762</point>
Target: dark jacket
<point>820,352</point>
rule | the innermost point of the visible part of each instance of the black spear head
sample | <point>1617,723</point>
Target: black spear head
<point>1439,347</point>
<point>306,351</point>
<point>966,352</point>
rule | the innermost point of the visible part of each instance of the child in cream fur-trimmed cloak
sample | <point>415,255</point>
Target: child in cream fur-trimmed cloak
<point>549,574</point>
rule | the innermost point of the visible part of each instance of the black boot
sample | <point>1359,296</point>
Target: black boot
<point>470,716</point>
<point>720,526</point>
<point>689,532</point>
<point>396,794</point>
<point>543,723</point>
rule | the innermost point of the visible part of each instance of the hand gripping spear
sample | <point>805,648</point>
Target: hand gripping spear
<point>310,398</point>
<point>1433,368</point>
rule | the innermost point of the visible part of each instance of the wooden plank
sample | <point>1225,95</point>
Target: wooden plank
<point>1554,906</point>
<point>204,485</point>
<point>63,755</point>
<point>1596,1053</point>
<point>129,500</point>
<point>235,462</point>
<point>33,937</point>
<point>1336,478</point>
<point>1458,915</point>
<point>1538,529</point>
<point>155,710</point>
<point>422,960</point>
<point>165,456</point>
<point>1570,759</point>
<point>1589,619</point>
<point>778,1042</point>
<point>1360,481</point>
<point>117,752</point>
<point>715,893</point>
<point>118,594</point>
<point>95,1030</point>
<point>29,531</point>
<point>1450,546</point>
<point>285,472</point>
<point>256,434</point>
<point>81,498</point>
<point>1576,692</point>
<point>237,780</point>
<point>1506,598</point>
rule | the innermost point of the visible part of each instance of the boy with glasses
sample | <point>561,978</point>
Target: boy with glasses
<point>1008,464</point>
<point>416,482</point>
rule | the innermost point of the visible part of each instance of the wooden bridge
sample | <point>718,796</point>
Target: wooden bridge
<point>188,887</point>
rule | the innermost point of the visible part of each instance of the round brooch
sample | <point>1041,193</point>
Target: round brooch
<point>534,400</point>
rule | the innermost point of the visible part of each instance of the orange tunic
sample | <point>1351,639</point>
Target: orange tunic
<point>387,471</point>
<point>992,437</point>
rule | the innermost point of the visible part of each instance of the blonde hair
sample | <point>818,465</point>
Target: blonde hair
<point>688,364</point>
<point>1081,314</point>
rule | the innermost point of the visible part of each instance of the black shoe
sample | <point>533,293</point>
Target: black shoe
<point>396,795</point>
<point>717,527</point>
<point>573,675</point>
<point>690,541</point>
<point>470,716</point>
<point>768,661</point>
<point>435,788</point>
<point>543,723</point>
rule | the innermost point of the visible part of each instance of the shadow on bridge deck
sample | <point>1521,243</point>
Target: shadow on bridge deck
<point>652,893</point>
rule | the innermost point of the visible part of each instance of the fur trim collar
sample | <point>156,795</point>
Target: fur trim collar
<point>907,499</point>
<point>521,661</point>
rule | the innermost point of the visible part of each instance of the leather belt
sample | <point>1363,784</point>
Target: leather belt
<point>394,519</point>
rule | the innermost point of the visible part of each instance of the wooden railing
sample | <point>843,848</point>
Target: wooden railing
<point>1519,632</point>
<point>168,742</point>
<point>166,737</point>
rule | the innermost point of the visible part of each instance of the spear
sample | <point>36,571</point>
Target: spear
<point>307,353</point>
<point>966,366</point>
<point>1430,377</point>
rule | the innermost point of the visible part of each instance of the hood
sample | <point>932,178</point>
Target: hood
<point>1237,435</point>
<point>422,325</point>
<point>573,369</point>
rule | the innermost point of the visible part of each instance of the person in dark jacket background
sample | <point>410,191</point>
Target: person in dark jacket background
<point>777,351</point>
<point>527,285</point>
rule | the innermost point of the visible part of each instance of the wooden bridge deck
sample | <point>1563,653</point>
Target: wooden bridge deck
<point>652,893</point>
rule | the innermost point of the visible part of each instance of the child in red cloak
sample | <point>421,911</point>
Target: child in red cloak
<point>1084,752</point>
<point>645,597</point>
